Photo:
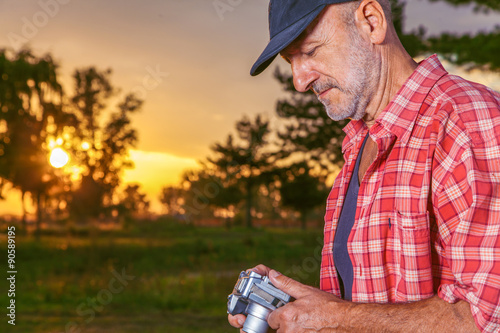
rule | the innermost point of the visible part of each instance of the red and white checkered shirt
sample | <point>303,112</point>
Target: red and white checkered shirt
<point>428,212</point>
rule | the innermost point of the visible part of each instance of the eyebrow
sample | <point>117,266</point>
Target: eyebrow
<point>299,49</point>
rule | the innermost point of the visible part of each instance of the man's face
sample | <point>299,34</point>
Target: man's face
<point>336,63</point>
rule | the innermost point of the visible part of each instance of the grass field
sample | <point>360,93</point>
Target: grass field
<point>154,277</point>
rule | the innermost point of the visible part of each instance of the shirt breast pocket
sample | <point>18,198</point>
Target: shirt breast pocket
<point>412,256</point>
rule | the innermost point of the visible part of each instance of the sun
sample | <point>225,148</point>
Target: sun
<point>58,158</point>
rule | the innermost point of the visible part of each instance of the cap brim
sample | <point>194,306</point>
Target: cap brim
<point>282,40</point>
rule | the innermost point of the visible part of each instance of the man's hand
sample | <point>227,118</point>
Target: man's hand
<point>312,311</point>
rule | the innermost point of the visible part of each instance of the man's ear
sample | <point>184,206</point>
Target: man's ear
<point>370,18</point>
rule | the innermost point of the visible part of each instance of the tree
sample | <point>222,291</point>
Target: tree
<point>31,112</point>
<point>301,191</point>
<point>479,5</point>
<point>208,192</point>
<point>134,204</point>
<point>243,166</point>
<point>173,199</point>
<point>101,147</point>
<point>478,50</point>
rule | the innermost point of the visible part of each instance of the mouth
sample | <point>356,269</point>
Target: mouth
<point>324,92</point>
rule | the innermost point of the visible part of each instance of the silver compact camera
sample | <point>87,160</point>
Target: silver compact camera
<point>255,297</point>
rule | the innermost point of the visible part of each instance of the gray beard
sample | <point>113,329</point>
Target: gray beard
<point>352,111</point>
<point>360,83</point>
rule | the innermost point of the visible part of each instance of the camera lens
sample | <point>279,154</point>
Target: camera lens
<point>256,321</point>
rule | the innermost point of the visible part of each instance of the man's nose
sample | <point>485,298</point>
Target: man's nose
<point>303,75</point>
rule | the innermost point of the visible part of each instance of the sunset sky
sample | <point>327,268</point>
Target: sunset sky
<point>187,60</point>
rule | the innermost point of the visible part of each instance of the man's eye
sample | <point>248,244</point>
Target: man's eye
<point>311,53</point>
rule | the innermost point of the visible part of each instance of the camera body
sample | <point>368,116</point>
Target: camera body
<point>255,297</point>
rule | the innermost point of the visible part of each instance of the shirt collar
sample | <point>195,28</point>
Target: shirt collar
<point>399,115</point>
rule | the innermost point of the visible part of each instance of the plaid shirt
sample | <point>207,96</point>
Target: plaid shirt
<point>428,212</point>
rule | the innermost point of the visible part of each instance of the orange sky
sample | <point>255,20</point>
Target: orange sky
<point>189,62</point>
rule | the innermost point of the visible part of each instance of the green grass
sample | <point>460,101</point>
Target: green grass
<point>182,276</point>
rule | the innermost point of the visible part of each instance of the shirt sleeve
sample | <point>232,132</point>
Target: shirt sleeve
<point>468,216</point>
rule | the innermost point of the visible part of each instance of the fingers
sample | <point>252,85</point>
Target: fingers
<point>261,269</point>
<point>274,319</point>
<point>290,286</point>
<point>236,320</point>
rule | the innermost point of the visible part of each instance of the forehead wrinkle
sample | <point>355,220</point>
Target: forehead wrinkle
<point>304,39</point>
<point>322,23</point>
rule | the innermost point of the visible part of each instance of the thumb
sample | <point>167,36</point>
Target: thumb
<point>288,285</point>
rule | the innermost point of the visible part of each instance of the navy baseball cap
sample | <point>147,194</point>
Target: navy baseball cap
<point>287,20</point>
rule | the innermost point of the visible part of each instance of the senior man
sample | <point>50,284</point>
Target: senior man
<point>411,238</point>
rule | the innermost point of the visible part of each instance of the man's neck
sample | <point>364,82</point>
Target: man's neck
<point>396,67</point>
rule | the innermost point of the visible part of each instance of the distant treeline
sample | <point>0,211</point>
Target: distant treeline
<point>277,168</point>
